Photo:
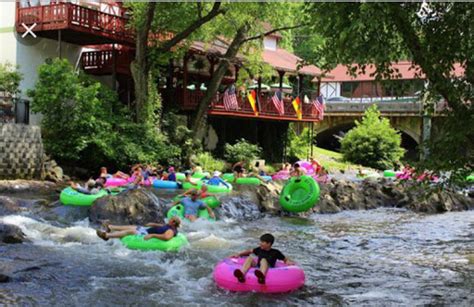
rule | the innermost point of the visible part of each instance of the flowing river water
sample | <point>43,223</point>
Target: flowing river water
<point>378,257</point>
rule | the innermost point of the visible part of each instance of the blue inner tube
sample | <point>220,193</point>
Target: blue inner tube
<point>165,184</point>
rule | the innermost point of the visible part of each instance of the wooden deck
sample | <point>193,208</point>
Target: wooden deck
<point>79,25</point>
<point>189,100</point>
<point>102,62</point>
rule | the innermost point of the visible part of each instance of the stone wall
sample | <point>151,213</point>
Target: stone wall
<point>21,151</point>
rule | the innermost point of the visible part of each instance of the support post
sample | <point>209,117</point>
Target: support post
<point>114,68</point>
<point>312,138</point>
<point>425,136</point>
<point>59,43</point>
<point>259,90</point>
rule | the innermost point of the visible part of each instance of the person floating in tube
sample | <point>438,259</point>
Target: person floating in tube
<point>297,171</point>
<point>267,257</point>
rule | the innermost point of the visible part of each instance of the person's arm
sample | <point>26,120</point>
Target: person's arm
<point>168,235</point>
<point>223,182</point>
<point>288,261</point>
<point>245,253</point>
<point>211,213</point>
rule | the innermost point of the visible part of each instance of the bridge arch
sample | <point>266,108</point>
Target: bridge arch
<point>327,131</point>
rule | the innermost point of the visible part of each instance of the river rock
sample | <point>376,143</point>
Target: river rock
<point>29,186</point>
<point>51,170</point>
<point>136,207</point>
<point>11,234</point>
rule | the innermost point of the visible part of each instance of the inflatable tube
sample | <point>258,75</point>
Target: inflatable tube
<point>137,242</point>
<point>307,167</point>
<point>299,194</point>
<point>281,175</point>
<point>210,188</point>
<point>71,197</point>
<point>281,278</point>
<point>180,176</point>
<point>230,178</point>
<point>178,210</point>
<point>470,178</point>
<point>389,173</point>
<point>147,182</point>
<point>211,201</point>
<point>165,184</point>
<point>116,182</point>
<point>199,175</point>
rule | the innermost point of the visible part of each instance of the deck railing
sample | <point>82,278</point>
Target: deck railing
<point>189,100</point>
<point>104,60</point>
<point>63,15</point>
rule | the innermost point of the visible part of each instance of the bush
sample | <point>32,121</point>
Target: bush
<point>298,144</point>
<point>241,151</point>
<point>10,80</point>
<point>209,163</point>
<point>83,122</point>
<point>373,142</point>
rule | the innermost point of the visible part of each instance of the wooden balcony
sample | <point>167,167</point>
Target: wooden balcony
<point>102,62</point>
<point>189,100</point>
<point>79,25</point>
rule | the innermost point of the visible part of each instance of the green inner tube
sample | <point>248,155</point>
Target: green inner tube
<point>210,188</point>
<point>299,194</point>
<point>200,175</point>
<point>71,197</point>
<point>389,173</point>
<point>244,180</point>
<point>180,176</point>
<point>211,201</point>
<point>470,178</point>
<point>137,242</point>
<point>178,210</point>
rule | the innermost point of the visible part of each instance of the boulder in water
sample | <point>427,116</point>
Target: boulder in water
<point>11,234</point>
<point>135,207</point>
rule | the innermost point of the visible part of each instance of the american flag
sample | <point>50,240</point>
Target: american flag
<point>318,105</point>
<point>230,99</point>
<point>278,102</point>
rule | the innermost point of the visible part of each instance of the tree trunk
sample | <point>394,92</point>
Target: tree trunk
<point>200,120</point>
<point>140,66</point>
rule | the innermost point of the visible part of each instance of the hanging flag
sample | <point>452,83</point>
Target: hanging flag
<point>252,96</point>
<point>230,99</point>
<point>298,107</point>
<point>318,105</point>
<point>277,100</point>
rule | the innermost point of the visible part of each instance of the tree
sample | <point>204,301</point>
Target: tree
<point>435,36</point>
<point>177,19</point>
<point>373,142</point>
<point>10,80</point>
<point>245,33</point>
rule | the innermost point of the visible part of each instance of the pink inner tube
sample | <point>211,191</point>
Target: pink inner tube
<point>281,278</point>
<point>281,175</point>
<point>308,168</point>
<point>147,182</point>
<point>116,182</point>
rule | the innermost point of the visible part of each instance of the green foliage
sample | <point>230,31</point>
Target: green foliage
<point>209,163</point>
<point>373,142</point>
<point>435,40</point>
<point>84,123</point>
<point>298,144</point>
<point>10,80</point>
<point>241,151</point>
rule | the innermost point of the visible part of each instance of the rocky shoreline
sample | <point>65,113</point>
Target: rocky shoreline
<point>142,206</point>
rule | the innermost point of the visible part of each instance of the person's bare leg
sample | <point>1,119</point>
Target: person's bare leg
<point>122,227</point>
<point>240,274</point>
<point>262,271</point>
<point>120,234</point>
<point>192,218</point>
<point>247,264</point>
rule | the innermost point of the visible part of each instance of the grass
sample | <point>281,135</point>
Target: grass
<point>332,160</point>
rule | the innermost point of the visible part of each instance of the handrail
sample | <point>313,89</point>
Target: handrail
<point>62,15</point>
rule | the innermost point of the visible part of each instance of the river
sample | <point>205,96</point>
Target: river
<point>378,257</point>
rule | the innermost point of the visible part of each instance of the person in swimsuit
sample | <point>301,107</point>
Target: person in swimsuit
<point>151,230</point>
<point>238,170</point>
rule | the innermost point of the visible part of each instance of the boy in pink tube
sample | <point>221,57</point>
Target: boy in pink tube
<point>267,257</point>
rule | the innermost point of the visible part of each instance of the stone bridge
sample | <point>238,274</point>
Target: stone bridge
<point>406,117</point>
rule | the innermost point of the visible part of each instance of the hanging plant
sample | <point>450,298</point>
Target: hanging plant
<point>199,64</point>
